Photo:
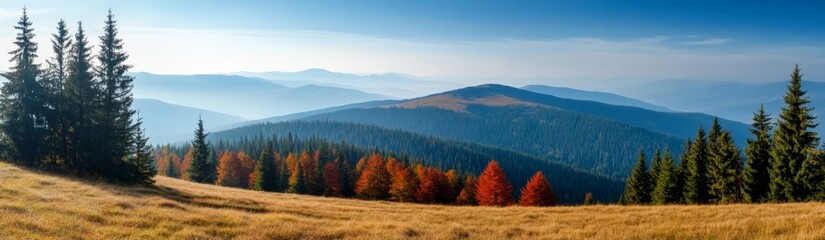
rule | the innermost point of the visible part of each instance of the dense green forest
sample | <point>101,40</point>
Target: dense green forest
<point>570,183</point>
<point>593,143</point>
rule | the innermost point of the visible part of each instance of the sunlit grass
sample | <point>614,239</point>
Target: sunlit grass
<point>36,205</point>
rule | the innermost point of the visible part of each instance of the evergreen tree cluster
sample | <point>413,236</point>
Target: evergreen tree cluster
<point>74,114</point>
<point>783,165</point>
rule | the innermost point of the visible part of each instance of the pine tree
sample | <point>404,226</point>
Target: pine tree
<point>297,184</point>
<point>56,76</point>
<point>266,178</point>
<point>655,168</point>
<point>116,131</point>
<point>756,176</point>
<point>285,174</point>
<point>141,159</point>
<point>81,93</point>
<point>696,184</point>
<point>713,155</point>
<point>537,192</point>
<point>22,118</point>
<point>666,190</point>
<point>200,168</point>
<point>637,190</point>
<point>493,188</point>
<point>725,174</point>
<point>794,143</point>
<point>681,171</point>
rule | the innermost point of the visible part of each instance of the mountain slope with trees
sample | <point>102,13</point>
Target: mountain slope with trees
<point>594,136</point>
<point>570,183</point>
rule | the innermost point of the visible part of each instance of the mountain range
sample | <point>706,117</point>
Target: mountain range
<point>729,99</point>
<point>250,98</point>
<point>392,84</point>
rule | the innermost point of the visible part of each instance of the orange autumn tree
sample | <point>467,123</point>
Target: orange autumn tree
<point>493,188</point>
<point>333,182</point>
<point>167,163</point>
<point>467,196</point>
<point>187,162</point>
<point>537,192</point>
<point>234,169</point>
<point>374,182</point>
<point>403,185</point>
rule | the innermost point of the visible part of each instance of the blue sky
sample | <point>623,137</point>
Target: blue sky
<point>561,42</point>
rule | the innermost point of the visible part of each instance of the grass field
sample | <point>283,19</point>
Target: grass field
<point>43,206</point>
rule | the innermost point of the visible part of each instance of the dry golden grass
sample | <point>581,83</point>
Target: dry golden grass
<point>35,205</point>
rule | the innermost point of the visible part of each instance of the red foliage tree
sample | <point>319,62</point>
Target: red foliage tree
<point>467,196</point>
<point>493,188</point>
<point>537,192</point>
<point>433,186</point>
<point>374,182</point>
<point>332,179</point>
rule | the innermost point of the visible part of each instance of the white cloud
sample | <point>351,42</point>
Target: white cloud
<point>707,42</point>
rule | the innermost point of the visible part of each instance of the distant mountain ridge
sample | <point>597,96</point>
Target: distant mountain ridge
<point>393,84</point>
<point>166,122</point>
<point>602,97</point>
<point>247,97</point>
<point>728,99</point>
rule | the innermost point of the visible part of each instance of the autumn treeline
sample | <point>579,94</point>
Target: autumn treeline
<point>374,176</point>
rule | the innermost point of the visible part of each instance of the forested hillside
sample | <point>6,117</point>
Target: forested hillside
<point>570,183</point>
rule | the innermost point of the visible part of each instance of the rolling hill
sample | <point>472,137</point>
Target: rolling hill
<point>591,135</point>
<point>35,205</point>
<point>166,122</point>
<point>247,97</point>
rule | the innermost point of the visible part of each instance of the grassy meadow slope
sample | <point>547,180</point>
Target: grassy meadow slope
<point>41,206</point>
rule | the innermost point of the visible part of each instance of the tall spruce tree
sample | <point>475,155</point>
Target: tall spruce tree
<point>200,168</point>
<point>265,170</point>
<point>696,184</point>
<point>637,190</point>
<point>80,95</point>
<point>714,152</point>
<point>142,164</point>
<point>756,176</point>
<point>666,190</point>
<point>23,114</point>
<point>655,168</point>
<point>725,176</point>
<point>681,171</point>
<point>794,144</point>
<point>117,132</point>
<point>55,79</point>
